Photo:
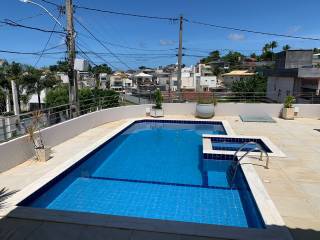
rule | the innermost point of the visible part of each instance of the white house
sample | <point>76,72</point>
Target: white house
<point>204,78</point>
<point>142,79</point>
<point>104,80</point>
<point>120,81</point>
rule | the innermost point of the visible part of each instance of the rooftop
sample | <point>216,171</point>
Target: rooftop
<point>239,73</point>
<point>292,182</point>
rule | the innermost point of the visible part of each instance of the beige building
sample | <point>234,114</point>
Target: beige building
<point>236,75</point>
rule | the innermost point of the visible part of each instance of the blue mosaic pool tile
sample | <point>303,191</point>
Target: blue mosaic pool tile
<point>233,144</point>
<point>201,205</point>
<point>154,169</point>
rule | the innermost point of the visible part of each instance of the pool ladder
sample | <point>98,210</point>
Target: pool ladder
<point>236,161</point>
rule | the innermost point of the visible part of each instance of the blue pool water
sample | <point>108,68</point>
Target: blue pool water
<point>233,144</point>
<point>154,169</point>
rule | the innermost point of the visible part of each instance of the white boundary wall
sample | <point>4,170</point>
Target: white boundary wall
<point>19,150</point>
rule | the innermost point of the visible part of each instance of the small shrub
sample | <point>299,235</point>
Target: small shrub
<point>158,99</point>
<point>289,101</point>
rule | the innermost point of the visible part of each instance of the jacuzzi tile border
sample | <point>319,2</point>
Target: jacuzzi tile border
<point>208,149</point>
<point>275,227</point>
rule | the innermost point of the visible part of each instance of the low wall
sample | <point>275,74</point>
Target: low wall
<point>18,150</point>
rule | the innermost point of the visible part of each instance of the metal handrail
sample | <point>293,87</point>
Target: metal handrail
<point>244,145</point>
<point>237,163</point>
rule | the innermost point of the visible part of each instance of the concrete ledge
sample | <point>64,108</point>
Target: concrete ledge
<point>208,148</point>
<point>19,150</point>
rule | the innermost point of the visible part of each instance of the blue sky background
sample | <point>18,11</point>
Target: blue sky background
<point>284,17</point>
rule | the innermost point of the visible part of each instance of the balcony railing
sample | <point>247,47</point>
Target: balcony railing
<point>15,126</point>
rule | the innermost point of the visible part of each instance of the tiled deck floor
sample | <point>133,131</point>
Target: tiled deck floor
<point>293,182</point>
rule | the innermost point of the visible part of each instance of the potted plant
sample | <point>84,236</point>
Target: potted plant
<point>205,107</point>
<point>10,121</point>
<point>34,131</point>
<point>288,110</point>
<point>156,110</point>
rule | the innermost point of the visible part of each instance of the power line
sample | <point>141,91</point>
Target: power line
<point>127,14</point>
<point>51,3</point>
<point>86,56</point>
<point>250,31</point>
<point>30,53</point>
<point>136,54</point>
<point>101,43</point>
<point>98,56</point>
<point>133,48</point>
<point>46,45</point>
<point>54,47</point>
<point>15,24</point>
<point>26,18</point>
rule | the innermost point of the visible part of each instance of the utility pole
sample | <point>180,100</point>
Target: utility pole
<point>73,84</point>
<point>180,58</point>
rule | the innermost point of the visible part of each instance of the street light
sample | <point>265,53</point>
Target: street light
<point>46,10</point>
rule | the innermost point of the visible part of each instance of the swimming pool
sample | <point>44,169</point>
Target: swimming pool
<point>154,170</point>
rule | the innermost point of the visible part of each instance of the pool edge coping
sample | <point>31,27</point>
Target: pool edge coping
<point>213,230</point>
<point>275,151</point>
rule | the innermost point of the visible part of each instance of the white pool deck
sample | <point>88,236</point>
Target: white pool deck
<point>293,183</point>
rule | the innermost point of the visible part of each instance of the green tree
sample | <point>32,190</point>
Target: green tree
<point>266,52</point>
<point>57,96</point>
<point>213,56</point>
<point>253,55</point>
<point>61,66</point>
<point>97,70</point>
<point>273,45</point>
<point>248,87</point>
<point>234,59</point>
<point>2,101</point>
<point>34,81</point>
<point>286,47</point>
<point>88,98</point>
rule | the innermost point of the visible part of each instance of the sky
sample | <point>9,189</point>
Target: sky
<point>137,41</point>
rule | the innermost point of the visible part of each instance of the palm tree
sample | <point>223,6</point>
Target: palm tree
<point>34,81</point>
<point>266,48</point>
<point>273,45</point>
<point>286,47</point>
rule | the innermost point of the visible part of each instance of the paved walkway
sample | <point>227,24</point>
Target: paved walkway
<point>293,182</point>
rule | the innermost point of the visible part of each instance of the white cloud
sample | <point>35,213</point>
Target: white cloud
<point>236,37</point>
<point>166,42</point>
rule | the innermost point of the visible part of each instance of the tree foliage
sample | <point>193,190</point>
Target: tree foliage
<point>57,96</point>
<point>102,68</point>
<point>88,98</point>
<point>213,56</point>
<point>234,59</point>
<point>61,66</point>
<point>286,47</point>
<point>257,83</point>
<point>34,81</point>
